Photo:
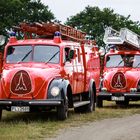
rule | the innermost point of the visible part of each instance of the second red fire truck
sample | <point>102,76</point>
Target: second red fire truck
<point>121,74</point>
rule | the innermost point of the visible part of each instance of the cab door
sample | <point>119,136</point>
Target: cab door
<point>69,67</point>
<point>74,69</point>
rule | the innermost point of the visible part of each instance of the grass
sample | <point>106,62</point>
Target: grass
<point>37,126</point>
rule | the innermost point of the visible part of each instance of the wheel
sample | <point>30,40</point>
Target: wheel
<point>87,97</point>
<point>123,103</point>
<point>86,108</point>
<point>126,102</point>
<point>91,106</point>
<point>62,111</point>
<point>99,102</point>
<point>0,114</point>
<point>79,109</point>
<point>118,103</point>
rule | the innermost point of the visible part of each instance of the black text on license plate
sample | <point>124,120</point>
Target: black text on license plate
<point>114,98</point>
<point>20,108</point>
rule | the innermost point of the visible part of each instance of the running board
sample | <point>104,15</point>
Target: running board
<point>80,103</point>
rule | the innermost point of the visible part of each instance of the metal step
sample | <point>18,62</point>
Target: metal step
<point>80,103</point>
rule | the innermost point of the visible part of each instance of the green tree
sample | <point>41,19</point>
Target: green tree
<point>93,21</point>
<point>13,12</point>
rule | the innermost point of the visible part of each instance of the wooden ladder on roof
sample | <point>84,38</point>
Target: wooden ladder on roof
<point>49,29</point>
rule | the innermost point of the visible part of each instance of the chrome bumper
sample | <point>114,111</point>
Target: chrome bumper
<point>129,96</point>
<point>31,102</point>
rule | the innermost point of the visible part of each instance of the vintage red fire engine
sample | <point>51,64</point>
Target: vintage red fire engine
<point>121,73</point>
<point>43,74</point>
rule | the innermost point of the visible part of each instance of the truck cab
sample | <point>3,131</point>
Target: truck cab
<point>40,74</point>
<point>121,74</point>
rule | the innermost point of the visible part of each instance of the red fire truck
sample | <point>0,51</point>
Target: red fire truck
<point>53,67</point>
<point>121,74</point>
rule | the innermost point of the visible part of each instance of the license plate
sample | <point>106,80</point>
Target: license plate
<point>114,98</point>
<point>20,108</point>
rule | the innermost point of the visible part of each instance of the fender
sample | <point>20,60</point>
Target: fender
<point>62,84</point>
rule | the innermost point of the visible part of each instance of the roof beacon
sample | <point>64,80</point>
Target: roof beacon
<point>57,37</point>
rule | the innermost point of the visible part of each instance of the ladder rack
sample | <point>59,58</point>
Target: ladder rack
<point>125,37</point>
<point>49,29</point>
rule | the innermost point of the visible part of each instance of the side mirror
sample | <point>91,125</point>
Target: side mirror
<point>2,40</point>
<point>71,54</point>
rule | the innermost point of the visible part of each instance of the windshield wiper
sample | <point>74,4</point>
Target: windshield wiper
<point>26,55</point>
<point>137,65</point>
<point>52,57</point>
<point>119,63</point>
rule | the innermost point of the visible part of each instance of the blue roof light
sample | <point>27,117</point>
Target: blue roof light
<point>57,37</point>
<point>12,33</point>
<point>112,46</point>
<point>57,33</point>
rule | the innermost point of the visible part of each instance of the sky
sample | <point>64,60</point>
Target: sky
<point>62,9</point>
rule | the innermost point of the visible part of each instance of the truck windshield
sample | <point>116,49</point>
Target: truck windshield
<point>37,53</point>
<point>129,60</point>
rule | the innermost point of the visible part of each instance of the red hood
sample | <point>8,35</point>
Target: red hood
<point>121,80</point>
<point>26,82</point>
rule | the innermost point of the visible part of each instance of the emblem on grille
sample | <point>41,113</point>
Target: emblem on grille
<point>21,83</point>
<point>118,80</point>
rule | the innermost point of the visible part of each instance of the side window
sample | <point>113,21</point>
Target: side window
<point>71,53</point>
<point>67,54</point>
<point>77,56</point>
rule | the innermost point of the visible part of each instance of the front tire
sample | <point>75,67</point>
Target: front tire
<point>62,111</point>
<point>0,114</point>
<point>91,106</point>
<point>122,103</point>
<point>99,102</point>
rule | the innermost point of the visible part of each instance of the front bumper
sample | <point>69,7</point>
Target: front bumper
<point>127,96</point>
<point>6,104</point>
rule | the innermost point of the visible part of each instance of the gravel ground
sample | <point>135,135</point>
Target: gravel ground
<point>127,128</point>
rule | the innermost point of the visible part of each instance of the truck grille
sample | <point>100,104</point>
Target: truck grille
<point>118,81</point>
<point>21,83</point>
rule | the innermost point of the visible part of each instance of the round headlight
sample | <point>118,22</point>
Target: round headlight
<point>55,91</point>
